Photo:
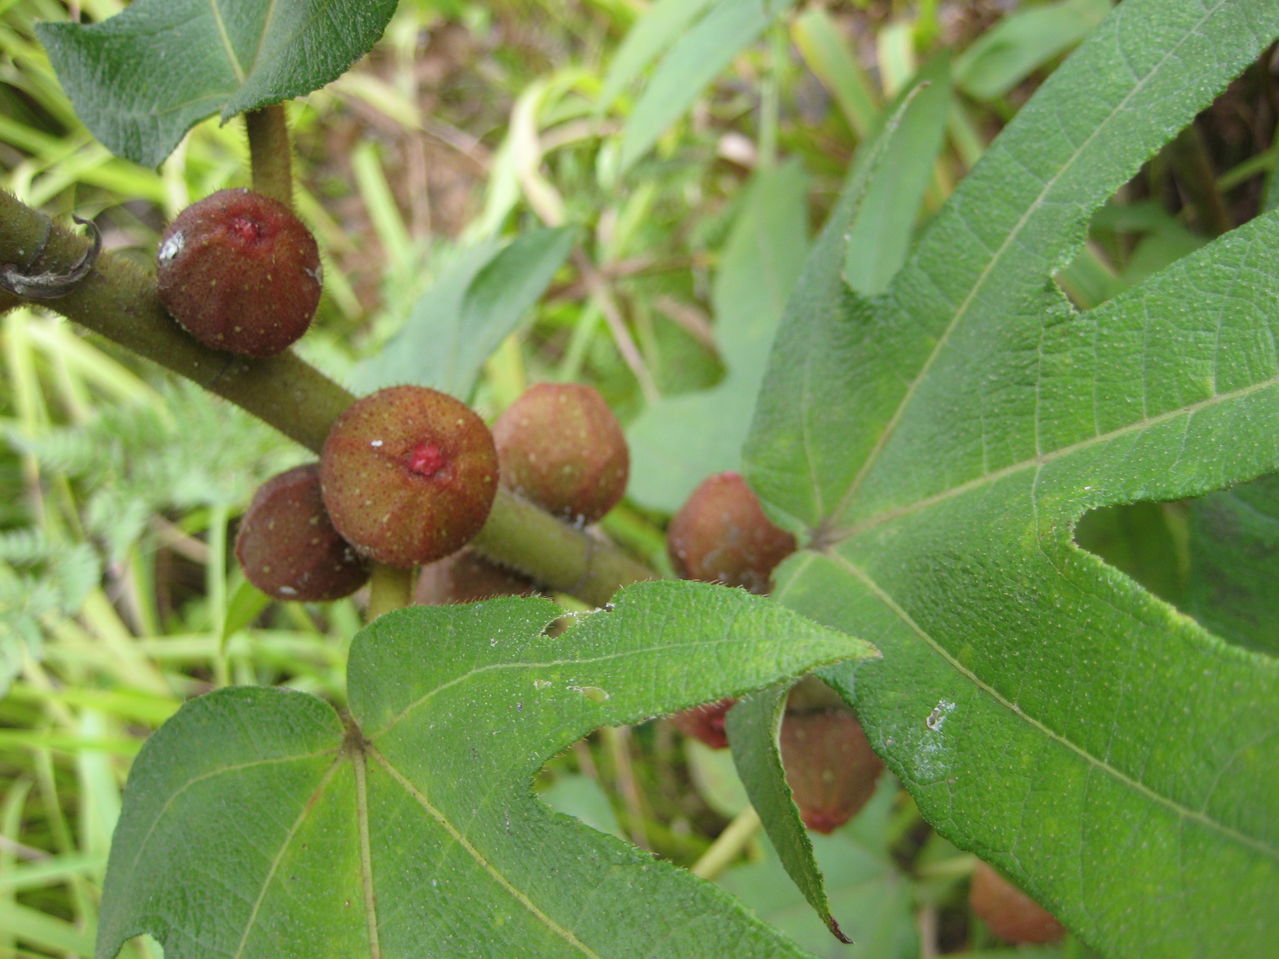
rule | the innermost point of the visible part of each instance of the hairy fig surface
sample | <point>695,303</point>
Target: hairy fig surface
<point>829,765</point>
<point>408,475</point>
<point>705,722</point>
<point>561,447</point>
<point>239,272</point>
<point>721,535</point>
<point>287,546</point>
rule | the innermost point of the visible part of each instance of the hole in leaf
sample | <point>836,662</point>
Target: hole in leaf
<point>1215,557</point>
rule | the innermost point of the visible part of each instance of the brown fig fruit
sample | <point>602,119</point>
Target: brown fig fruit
<point>561,447</point>
<point>1011,914</point>
<point>829,765</point>
<point>721,535</point>
<point>408,475</point>
<point>239,272</point>
<point>287,546</point>
<point>705,722</point>
<point>467,577</point>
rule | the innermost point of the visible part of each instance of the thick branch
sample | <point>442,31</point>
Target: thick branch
<point>118,300</point>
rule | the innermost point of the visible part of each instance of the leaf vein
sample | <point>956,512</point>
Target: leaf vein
<point>421,799</point>
<point>1188,411</point>
<point>226,41</point>
<point>584,661</point>
<point>360,763</point>
<point>237,767</point>
<point>1182,811</point>
<point>305,811</point>
<point>961,311</point>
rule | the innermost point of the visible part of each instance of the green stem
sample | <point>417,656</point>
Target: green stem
<point>118,300</point>
<point>728,845</point>
<point>1198,181</point>
<point>565,558</point>
<point>270,153</point>
<point>389,588</point>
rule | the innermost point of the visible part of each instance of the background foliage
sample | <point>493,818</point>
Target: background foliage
<point>613,232</point>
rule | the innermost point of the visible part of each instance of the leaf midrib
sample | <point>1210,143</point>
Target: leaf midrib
<point>961,311</point>
<point>548,664</point>
<point>303,813</point>
<point>514,891</point>
<point>1118,775</point>
<point>1044,459</point>
<point>232,59</point>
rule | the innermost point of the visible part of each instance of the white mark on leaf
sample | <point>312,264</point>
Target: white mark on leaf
<point>938,716</point>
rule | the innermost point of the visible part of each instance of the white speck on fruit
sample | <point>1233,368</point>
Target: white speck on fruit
<point>171,247</point>
<point>288,591</point>
<point>375,442</point>
<point>317,274</point>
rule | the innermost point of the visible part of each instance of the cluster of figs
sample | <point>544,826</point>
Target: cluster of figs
<point>408,474</point>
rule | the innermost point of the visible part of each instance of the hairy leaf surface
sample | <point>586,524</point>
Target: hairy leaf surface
<point>142,78</point>
<point>939,443</point>
<point>259,822</point>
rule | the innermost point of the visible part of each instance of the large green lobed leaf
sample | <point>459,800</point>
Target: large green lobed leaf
<point>142,78</point>
<point>940,442</point>
<point>259,822</point>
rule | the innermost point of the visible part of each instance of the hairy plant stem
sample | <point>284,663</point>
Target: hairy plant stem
<point>118,301</point>
<point>270,152</point>
<point>566,558</point>
<point>389,588</point>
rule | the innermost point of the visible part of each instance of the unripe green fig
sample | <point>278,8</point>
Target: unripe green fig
<point>467,577</point>
<point>287,546</point>
<point>240,273</point>
<point>561,447</point>
<point>408,475</point>
<point>721,535</point>
<point>1011,914</point>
